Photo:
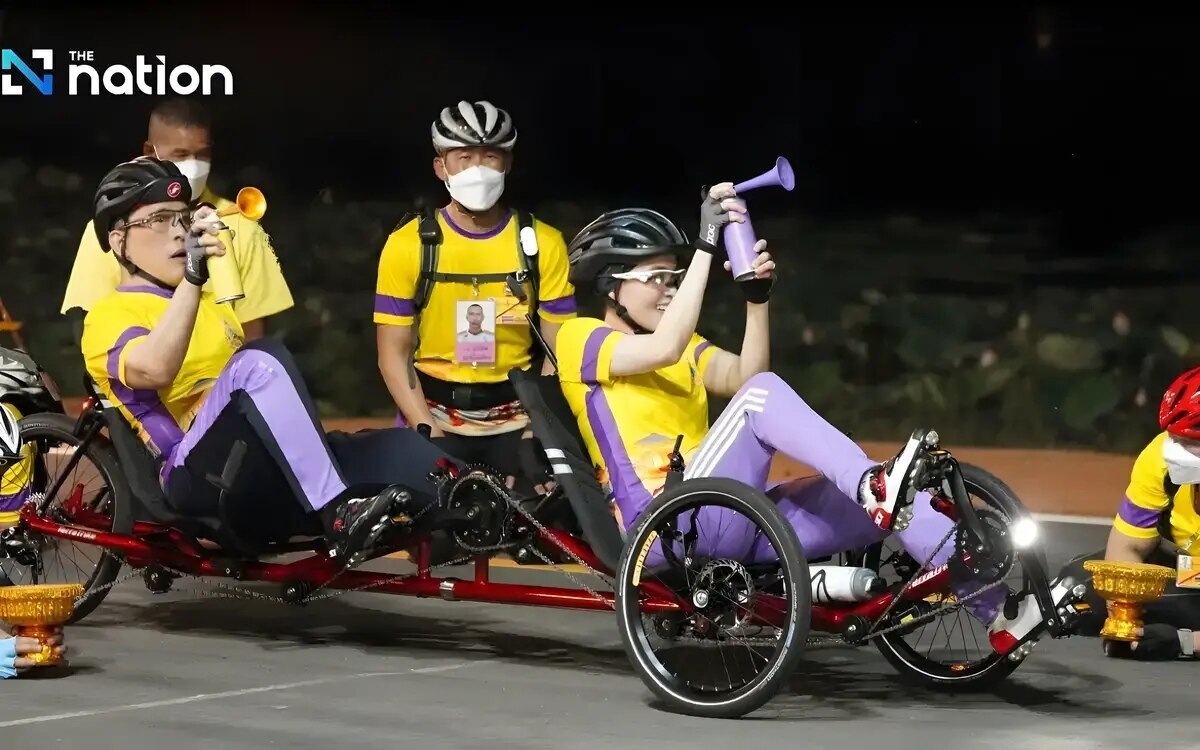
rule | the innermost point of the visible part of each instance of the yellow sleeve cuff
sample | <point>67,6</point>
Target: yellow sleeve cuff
<point>604,360</point>
<point>393,320</point>
<point>1135,532</point>
<point>550,317</point>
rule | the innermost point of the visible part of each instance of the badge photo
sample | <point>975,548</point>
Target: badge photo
<point>475,334</point>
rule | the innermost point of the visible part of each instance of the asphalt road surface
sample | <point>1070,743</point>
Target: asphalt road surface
<point>363,670</point>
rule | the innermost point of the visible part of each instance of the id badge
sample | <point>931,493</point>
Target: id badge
<point>511,311</point>
<point>1187,572</point>
<point>475,334</point>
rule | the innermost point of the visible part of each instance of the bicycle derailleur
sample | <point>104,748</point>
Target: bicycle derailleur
<point>18,544</point>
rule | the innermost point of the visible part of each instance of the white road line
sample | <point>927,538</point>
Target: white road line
<point>451,667</point>
<point>1081,520</point>
<point>201,697</point>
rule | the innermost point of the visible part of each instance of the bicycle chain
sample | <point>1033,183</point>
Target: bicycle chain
<point>227,591</point>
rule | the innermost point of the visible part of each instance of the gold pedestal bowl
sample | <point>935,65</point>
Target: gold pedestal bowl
<point>1126,587</point>
<point>39,612</point>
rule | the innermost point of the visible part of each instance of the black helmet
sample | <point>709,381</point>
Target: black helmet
<point>622,238</point>
<point>132,183</point>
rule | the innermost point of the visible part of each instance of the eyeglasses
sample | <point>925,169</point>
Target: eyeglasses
<point>162,221</point>
<point>658,277</point>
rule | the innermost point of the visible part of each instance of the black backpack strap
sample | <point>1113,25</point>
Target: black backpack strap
<point>1164,518</point>
<point>430,233</point>
<point>527,254</point>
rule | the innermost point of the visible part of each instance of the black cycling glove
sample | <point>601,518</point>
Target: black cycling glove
<point>758,291</point>
<point>533,461</point>
<point>712,219</point>
<point>195,267</point>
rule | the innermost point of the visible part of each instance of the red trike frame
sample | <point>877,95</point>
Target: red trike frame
<point>155,544</point>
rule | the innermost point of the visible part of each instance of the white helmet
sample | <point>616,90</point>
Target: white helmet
<point>10,439</point>
<point>478,124</point>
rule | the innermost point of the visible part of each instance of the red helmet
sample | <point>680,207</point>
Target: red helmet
<point>1179,412</point>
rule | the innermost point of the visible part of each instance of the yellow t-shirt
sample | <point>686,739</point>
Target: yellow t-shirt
<point>630,423</point>
<point>119,323</point>
<point>96,273</point>
<point>443,317</point>
<point>1146,499</point>
<point>15,480</point>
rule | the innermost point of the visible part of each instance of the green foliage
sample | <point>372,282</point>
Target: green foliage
<point>882,325</point>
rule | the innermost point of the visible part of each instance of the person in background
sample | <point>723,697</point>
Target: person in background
<point>1158,522</point>
<point>475,254</point>
<point>180,131</point>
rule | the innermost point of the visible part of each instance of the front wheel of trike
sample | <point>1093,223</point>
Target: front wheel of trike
<point>747,596</point>
<point>965,661</point>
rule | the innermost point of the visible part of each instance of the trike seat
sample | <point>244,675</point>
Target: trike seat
<point>223,524</point>
<point>555,427</point>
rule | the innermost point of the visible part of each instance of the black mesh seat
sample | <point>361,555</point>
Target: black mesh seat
<point>555,427</point>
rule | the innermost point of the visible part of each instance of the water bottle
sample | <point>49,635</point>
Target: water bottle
<point>840,583</point>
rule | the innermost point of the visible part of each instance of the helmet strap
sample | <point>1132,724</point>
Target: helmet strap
<point>621,311</point>
<point>133,268</point>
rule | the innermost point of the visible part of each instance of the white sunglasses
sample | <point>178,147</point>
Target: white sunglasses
<point>659,276</point>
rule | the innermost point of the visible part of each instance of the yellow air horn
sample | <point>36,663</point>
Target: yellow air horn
<point>223,271</point>
<point>251,203</point>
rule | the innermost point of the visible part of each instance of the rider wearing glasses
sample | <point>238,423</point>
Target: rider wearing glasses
<point>172,359</point>
<point>642,376</point>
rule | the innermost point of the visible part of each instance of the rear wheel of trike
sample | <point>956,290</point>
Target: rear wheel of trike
<point>94,483</point>
<point>748,598</point>
<point>965,659</point>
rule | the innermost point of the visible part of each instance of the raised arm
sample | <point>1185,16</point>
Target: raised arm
<point>154,362</point>
<point>637,354</point>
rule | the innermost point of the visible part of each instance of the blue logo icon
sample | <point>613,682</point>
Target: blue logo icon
<point>10,60</point>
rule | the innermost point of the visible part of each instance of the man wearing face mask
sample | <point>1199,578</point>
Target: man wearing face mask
<point>1158,522</point>
<point>475,251</point>
<point>180,131</point>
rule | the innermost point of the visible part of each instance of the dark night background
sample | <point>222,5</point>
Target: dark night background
<point>1082,115</point>
<point>1081,120</point>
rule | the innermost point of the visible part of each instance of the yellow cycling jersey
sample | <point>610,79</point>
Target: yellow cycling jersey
<point>96,274</point>
<point>471,332</point>
<point>122,321</point>
<point>1146,500</point>
<point>630,423</point>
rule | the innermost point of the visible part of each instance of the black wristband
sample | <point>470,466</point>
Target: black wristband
<point>757,291</point>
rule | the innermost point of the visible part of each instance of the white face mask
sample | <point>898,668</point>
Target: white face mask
<point>477,188</point>
<point>1183,466</point>
<point>197,173</point>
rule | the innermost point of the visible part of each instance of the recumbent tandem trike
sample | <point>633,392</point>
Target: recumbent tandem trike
<point>669,615</point>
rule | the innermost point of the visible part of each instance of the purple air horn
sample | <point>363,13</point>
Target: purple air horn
<point>739,236</point>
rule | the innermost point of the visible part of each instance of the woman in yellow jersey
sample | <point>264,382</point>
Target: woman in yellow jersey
<point>172,359</point>
<point>640,377</point>
<point>1158,521</point>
